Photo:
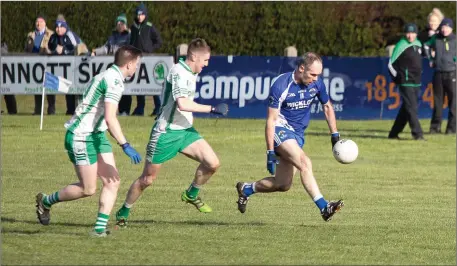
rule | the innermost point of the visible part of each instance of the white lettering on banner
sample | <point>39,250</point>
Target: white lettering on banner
<point>247,88</point>
<point>24,74</point>
<point>231,87</point>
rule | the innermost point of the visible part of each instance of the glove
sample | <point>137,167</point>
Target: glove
<point>131,152</point>
<point>335,138</point>
<point>220,109</point>
<point>272,161</point>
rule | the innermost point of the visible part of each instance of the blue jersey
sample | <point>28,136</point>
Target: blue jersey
<point>294,101</point>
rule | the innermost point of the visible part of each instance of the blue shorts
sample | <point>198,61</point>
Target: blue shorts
<point>282,134</point>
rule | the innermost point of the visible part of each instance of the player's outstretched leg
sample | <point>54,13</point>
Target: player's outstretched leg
<point>200,151</point>
<point>150,172</point>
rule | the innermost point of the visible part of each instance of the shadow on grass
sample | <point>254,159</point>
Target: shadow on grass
<point>13,220</point>
<point>345,136</point>
<point>201,223</point>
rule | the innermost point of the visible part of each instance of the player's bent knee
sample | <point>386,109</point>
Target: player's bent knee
<point>146,180</point>
<point>89,191</point>
<point>214,164</point>
<point>283,187</point>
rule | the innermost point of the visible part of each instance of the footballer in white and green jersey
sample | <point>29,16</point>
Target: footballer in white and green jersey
<point>85,135</point>
<point>173,129</point>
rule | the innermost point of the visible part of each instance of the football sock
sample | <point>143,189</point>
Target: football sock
<point>49,200</point>
<point>321,203</point>
<point>102,221</point>
<point>249,189</point>
<point>192,191</point>
<point>125,210</point>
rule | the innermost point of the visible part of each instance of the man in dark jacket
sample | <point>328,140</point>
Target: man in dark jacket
<point>444,62</point>
<point>144,36</point>
<point>405,67</point>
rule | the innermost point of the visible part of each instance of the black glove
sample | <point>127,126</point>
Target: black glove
<point>335,138</point>
<point>220,109</point>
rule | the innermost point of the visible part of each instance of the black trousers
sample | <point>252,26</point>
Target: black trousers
<point>407,113</point>
<point>11,104</point>
<point>443,84</point>
<point>71,103</point>
<point>51,104</point>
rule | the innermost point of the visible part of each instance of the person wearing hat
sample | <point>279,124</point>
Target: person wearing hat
<point>405,68</point>
<point>145,37</point>
<point>444,62</point>
<point>37,43</point>
<point>119,37</point>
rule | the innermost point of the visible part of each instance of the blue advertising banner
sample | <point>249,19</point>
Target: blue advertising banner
<point>360,88</point>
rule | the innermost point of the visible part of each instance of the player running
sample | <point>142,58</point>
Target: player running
<point>288,117</point>
<point>86,143</point>
<point>173,132</point>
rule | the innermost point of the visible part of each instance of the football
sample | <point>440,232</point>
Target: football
<point>345,151</point>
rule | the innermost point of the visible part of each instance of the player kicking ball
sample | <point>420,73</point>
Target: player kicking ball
<point>87,146</point>
<point>173,132</point>
<point>288,117</point>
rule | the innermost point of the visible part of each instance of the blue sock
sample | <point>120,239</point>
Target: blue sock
<point>321,203</point>
<point>248,189</point>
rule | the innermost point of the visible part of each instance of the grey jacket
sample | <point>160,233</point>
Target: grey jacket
<point>445,52</point>
<point>115,41</point>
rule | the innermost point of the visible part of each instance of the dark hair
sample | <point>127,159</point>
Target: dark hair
<point>197,44</point>
<point>126,54</point>
<point>308,59</point>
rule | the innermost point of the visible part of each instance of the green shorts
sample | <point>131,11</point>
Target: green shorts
<point>163,146</point>
<point>84,150</point>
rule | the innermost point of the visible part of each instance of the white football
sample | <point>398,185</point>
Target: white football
<point>345,151</point>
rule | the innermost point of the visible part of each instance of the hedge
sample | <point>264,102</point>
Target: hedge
<point>238,28</point>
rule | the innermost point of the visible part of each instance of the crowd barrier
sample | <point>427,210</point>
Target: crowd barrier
<point>360,88</point>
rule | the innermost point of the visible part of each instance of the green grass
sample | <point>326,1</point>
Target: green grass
<point>400,204</point>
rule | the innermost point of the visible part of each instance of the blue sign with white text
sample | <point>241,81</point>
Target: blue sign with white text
<point>359,88</point>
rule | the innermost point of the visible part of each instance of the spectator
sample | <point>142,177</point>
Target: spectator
<point>37,42</point>
<point>433,22</point>
<point>444,62</point>
<point>405,67</point>
<point>120,36</point>
<point>10,100</point>
<point>145,37</point>
<point>64,42</point>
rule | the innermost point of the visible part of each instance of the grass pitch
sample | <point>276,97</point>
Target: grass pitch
<point>400,205</point>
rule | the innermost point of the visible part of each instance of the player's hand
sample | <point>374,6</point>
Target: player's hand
<point>335,138</point>
<point>272,161</point>
<point>220,109</point>
<point>131,152</point>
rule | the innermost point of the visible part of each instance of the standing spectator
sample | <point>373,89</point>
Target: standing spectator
<point>405,66</point>
<point>444,62</point>
<point>433,22</point>
<point>120,36</point>
<point>37,42</point>
<point>145,37</point>
<point>64,42</point>
<point>10,100</point>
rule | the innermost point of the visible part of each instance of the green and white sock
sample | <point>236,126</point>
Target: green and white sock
<point>192,191</point>
<point>49,200</point>
<point>101,223</point>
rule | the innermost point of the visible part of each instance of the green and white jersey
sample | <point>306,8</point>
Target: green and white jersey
<point>89,116</point>
<point>181,82</point>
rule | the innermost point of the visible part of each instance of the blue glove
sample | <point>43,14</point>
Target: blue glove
<point>272,161</point>
<point>335,138</point>
<point>220,109</point>
<point>131,152</point>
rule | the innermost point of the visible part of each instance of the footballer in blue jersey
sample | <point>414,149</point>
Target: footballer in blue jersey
<point>289,110</point>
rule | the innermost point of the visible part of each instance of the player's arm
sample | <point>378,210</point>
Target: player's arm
<point>272,116</point>
<point>180,95</point>
<point>328,111</point>
<point>114,128</point>
<point>112,98</point>
<point>330,116</point>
